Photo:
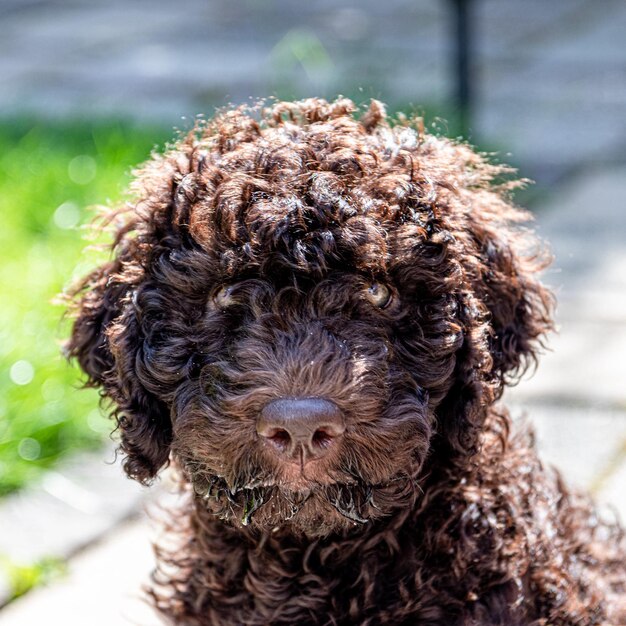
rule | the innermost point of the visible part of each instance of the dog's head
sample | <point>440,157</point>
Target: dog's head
<point>308,310</point>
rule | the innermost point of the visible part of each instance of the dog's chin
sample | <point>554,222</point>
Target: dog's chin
<point>314,511</point>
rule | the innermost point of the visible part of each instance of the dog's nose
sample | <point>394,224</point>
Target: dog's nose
<point>301,426</point>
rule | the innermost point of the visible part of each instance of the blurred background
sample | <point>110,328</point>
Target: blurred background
<point>89,87</point>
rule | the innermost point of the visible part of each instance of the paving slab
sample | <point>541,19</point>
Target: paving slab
<point>584,364</point>
<point>577,397</point>
<point>587,444</point>
<point>585,225</point>
<point>70,508</point>
<point>103,586</point>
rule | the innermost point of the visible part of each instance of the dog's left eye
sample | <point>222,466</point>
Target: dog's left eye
<point>379,295</point>
<point>224,297</point>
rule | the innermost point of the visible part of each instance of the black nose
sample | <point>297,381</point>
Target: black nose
<point>309,427</point>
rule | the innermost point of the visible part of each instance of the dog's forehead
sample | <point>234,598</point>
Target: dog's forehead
<point>291,230</point>
<point>309,219</point>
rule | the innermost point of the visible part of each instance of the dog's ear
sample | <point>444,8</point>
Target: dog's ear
<point>112,335</point>
<point>107,340</point>
<point>506,282</point>
<point>504,311</point>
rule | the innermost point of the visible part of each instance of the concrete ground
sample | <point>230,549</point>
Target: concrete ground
<point>578,396</point>
<point>576,400</point>
<point>103,587</point>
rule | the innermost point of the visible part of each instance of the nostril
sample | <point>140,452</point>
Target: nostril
<point>322,438</point>
<point>280,438</point>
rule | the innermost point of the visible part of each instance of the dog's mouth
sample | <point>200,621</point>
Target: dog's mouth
<point>336,492</point>
<point>312,508</point>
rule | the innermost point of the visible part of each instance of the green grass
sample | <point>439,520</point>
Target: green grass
<point>50,174</point>
<point>20,578</point>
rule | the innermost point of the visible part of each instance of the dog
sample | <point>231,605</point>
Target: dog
<point>312,312</point>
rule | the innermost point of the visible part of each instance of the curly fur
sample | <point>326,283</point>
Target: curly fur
<point>429,511</point>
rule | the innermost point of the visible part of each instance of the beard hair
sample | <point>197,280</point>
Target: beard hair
<point>318,511</point>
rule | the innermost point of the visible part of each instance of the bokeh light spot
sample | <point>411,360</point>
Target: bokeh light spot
<point>82,169</point>
<point>29,449</point>
<point>66,216</point>
<point>22,372</point>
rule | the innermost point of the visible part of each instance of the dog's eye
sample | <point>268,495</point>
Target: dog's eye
<point>224,297</point>
<point>379,295</point>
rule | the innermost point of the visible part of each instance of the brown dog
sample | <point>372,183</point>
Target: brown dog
<point>313,315</point>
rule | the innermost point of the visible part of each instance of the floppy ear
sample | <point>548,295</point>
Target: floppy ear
<point>504,311</point>
<point>113,335</point>
<point>106,341</point>
<point>519,306</point>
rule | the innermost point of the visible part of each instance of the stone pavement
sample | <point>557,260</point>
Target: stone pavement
<point>576,401</point>
<point>549,76</point>
<point>103,587</point>
<point>69,509</point>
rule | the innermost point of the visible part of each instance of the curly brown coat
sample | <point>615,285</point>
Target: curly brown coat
<point>300,251</point>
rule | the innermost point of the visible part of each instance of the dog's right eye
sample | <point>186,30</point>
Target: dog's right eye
<point>224,297</point>
<point>379,295</point>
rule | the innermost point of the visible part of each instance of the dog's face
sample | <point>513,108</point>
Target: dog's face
<point>304,403</point>
<point>310,397</point>
<point>308,312</point>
